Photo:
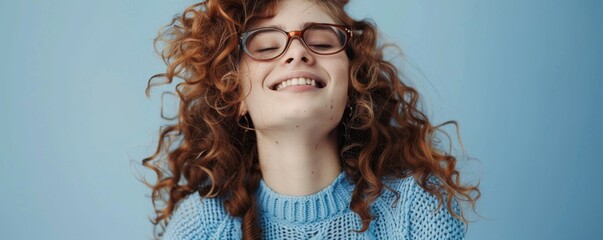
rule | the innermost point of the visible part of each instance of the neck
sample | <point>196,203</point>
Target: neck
<point>297,164</point>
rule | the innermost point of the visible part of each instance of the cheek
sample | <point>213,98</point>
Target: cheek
<point>344,73</point>
<point>252,74</point>
<point>341,74</point>
<point>249,78</point>
<point>342,68</point>
<point>244,73</point>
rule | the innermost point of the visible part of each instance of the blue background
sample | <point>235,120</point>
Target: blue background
<point>523,78</point>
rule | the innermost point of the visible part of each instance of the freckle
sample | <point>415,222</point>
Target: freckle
<point>296,126</point>
<point>331,118</point>
<point>276,142</point>
<point>312,172</point>
<point>331,106</point>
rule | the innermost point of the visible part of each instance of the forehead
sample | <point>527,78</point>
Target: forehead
<point>294,14</point>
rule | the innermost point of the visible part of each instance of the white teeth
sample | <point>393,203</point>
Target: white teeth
<point>296,82</point>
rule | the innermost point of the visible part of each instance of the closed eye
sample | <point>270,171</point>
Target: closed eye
<point>321,46</point>
<point>267,49</point>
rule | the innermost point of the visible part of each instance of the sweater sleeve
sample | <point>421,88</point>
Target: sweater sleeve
<point>426,221</point>
<point>185,222</point>
<point>201,218</point>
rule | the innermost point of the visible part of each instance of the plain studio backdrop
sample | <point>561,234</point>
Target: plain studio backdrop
<point>523,78</point>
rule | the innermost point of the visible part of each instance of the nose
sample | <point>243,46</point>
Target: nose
<point>297,53</point>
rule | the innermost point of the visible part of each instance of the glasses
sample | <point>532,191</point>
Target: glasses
<point>269,43</point>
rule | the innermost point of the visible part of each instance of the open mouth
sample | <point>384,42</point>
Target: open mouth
<point>301,81</point>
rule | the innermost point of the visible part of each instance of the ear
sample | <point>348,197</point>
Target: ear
<point>242,108</point>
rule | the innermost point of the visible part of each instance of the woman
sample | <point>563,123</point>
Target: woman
<point>292,126</point>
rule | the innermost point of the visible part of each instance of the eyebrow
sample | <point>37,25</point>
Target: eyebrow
<point>279,26</point>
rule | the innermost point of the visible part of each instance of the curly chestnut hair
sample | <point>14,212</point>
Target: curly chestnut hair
<point>208,150</point>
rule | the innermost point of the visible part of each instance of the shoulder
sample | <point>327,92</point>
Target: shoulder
<point>418,214</point>
<point>199,218</point>
<point>424,220</point>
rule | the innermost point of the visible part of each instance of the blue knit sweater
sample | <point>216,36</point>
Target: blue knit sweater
<point>323,215</point>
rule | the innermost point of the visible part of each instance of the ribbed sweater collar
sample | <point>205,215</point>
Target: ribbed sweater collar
<point>319,206</point>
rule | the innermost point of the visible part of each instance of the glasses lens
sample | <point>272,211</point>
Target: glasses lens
<point>325,39</point>
<point>266,44</point>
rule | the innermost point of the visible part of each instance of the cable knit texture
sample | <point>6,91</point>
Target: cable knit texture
<point>323,215</point>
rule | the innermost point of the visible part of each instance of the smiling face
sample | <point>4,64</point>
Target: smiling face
<point>299,89</point>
